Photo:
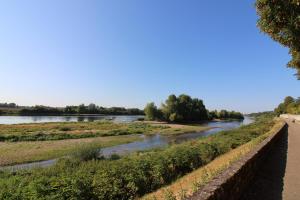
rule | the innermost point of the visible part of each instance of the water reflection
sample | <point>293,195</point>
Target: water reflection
<point>148,142</point>
<point>157,140</point>
<point>81,118</point>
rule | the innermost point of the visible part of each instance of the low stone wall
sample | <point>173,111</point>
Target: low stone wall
<point>230,184</point>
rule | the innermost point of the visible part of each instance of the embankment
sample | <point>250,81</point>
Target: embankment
<point>231,183</point>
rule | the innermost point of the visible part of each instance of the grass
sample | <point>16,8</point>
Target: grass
<point>190,183</point>
<point>23,152</point>
<point>76,130</point>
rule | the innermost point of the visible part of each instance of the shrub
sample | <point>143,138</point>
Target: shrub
<point>87,152</point>
<point>65,128</point>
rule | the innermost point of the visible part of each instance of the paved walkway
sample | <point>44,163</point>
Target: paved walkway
<point>279,177</point>
<point>291,189</point>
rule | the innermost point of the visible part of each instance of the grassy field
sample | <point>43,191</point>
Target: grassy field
<point>188,184</point>
<point>22,152</point>
<point>76,130</point>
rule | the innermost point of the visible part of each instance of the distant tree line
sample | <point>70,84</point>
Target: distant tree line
<point>94,109</point>
<point>289,105</point>
<point>224,114</point>
<point>185,109</point>
<point>8,105</point>
<point>269,114</point>
<point>80,109</point>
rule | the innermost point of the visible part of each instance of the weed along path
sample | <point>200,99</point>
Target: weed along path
<point>279,177</point>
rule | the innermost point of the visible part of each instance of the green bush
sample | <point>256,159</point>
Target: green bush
<point>87,152</point>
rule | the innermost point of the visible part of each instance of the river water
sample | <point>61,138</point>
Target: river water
<point>148,142</point>
<point>71,118</point>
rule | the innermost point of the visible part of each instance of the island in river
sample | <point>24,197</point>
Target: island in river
<point>21,143</point>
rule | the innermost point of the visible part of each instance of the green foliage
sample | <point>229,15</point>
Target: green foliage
<point>185,109</point>
<point>151,112</point>
<point>8,105</point>
<point>224,114</point>
<point>87,152</point>
<point>178,109</point>
<point>72,130</point>
<point>289,105</point>
<point>280,20</point>
<point>125,178</point>
<point>12,108</point>
<point>262,115</point>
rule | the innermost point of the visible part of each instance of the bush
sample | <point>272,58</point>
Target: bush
<point>87,152</point>
<point>65,129</point>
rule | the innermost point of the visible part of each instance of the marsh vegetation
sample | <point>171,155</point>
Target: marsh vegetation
<point>127,177</point>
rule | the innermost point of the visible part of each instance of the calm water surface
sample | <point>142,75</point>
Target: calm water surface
<point>147,142</point>
<point>81,118</point>
<point>158,140</point>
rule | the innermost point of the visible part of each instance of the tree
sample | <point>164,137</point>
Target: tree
<point>169,107</point>
<point>92,108</point>
<point>213,114</point>
<point>184,109</point>
<point>223,114</point>
<point>70,110</point>
<point>151,112</point>
<point>82,109</point>
<point>288,100</point>
<point>289,105</point>
<point>280,20</point>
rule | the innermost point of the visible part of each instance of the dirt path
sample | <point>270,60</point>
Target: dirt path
<point>279,177</point>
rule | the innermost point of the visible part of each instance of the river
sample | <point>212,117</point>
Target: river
<point>69,118</point>
<point>148,142</point>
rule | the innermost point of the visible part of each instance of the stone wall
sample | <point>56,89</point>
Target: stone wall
<point>230,184</point>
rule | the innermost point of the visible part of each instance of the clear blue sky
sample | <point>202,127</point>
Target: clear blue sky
<point>130,52</point>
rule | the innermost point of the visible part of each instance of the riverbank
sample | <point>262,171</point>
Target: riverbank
<point>12,153</point>
<point>24,143</point>
<point>186,186</point>
<point>77,130</point>
<point>131,176</point>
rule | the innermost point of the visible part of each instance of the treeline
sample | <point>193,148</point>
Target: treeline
<point>290,105</point>
<point>224,114</point>
<point>186,109</point>
<point>81,109</point>
<point>8,105</point>
<point>129,177</point>
<point>262,114</point>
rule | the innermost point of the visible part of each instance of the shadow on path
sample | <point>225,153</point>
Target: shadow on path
<point>268,182</point>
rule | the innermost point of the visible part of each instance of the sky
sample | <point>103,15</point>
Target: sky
<point>130,52</point>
